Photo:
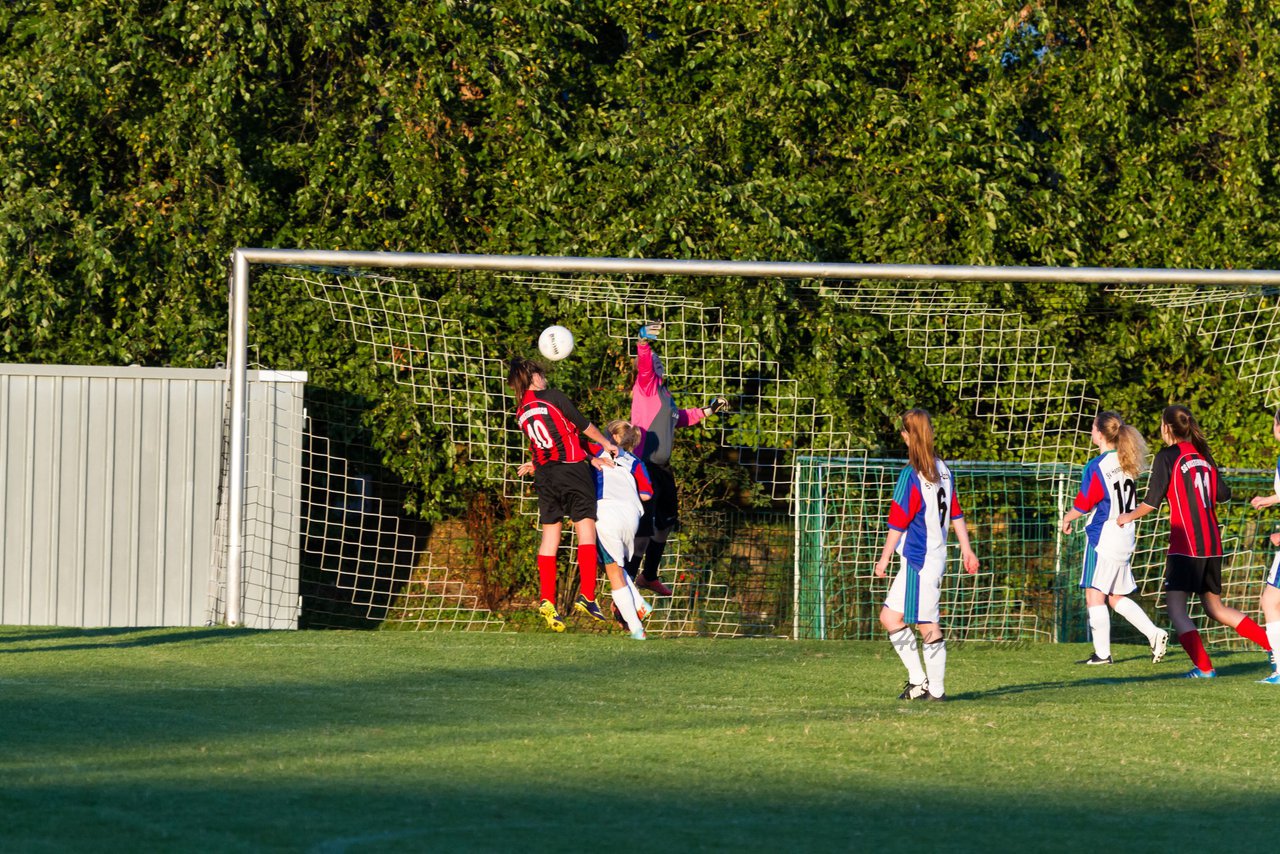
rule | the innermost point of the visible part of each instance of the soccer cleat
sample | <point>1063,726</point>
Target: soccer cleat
<point>617,616</point>
<point>653,584</point>
<point>915,692</point>
<point>1159,647</point>
<point>1197,673</point>
<point>588,607</point>
<point>548,612</point>
<point>936,698</point>
<point>639,634</point>
<point>1273,679</point>
<point>1094,659</point>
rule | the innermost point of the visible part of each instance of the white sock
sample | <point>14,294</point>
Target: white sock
<point>642,607</point>
<point>1133,612</point>
<point>935,663</point>
<point>904,644</point>
<point>1273,636</point>
<point>1100,624</point>
<point>626,607</point>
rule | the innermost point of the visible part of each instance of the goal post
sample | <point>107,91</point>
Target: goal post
<point>1004,366</point>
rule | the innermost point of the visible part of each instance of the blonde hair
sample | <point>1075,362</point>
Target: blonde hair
<point>918,426</point>
<point>1131,448</point>
<point>624,433</point>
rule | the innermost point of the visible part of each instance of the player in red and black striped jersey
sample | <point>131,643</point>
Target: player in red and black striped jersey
<point>562,477</point>
<point>1185,474</point>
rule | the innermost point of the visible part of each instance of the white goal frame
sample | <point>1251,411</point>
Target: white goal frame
<point>242,260</point>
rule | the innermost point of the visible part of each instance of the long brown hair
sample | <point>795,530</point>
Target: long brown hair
<point>1131,448</point>
<point>520,374</point>
<point>918,426</point>
<point>1183,427</point>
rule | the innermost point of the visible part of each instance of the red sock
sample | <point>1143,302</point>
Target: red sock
<point>547,577</point>
<point>587,563</point>
<point>1249,630</point>
<point>1195,650</point>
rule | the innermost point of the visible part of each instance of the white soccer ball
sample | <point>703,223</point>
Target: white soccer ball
<point>555,342</point>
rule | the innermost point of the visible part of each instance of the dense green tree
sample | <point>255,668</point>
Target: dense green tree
<point>140,142</point>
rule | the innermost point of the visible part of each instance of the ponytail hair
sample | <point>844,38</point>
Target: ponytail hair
<point>1131,448</point>
<point>520,375</point>
<point>1183,428</point>
<point>918,426</point>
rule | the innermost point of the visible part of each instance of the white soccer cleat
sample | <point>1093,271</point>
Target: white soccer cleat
<point>1159,647</point>
<point>914,692</point>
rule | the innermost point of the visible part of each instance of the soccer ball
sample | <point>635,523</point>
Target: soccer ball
<point>555,342</point>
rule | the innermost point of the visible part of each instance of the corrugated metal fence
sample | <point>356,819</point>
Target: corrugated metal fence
<point>109,495</point>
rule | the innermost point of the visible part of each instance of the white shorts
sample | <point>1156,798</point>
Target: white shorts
<point>1112,576</point>
<point>616,526</point>
<point>915,595</point>
<point>1273,574</point>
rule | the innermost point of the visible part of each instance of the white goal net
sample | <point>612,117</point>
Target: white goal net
<point>783,508</point>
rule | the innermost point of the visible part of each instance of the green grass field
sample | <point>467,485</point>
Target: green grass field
<point>221,740</point>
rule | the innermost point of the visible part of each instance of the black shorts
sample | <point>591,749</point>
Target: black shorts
<point>1188,574</point>
<point>565,489</point>
<point>663,509</point>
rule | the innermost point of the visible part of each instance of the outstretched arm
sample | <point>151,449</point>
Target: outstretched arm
<point>646,375</point>
<point>593,433</point>
<point>1137,513</point>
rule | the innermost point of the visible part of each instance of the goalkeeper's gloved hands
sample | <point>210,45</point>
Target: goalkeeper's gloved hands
<point>716,405</point>
<point>649,332</point>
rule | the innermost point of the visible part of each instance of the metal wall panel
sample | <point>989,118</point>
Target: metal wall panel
<point>109,484</point>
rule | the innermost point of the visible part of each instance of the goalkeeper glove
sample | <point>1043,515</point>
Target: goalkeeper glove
<point>649,332</point>
<point>716,405</point>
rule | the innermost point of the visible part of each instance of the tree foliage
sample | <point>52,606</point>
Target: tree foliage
<point>139,143</point>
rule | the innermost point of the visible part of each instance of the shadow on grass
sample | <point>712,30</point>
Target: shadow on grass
<point>1248,664</point>
<point>346,742</point>
<point>54,639</point>
<point>428,813</point>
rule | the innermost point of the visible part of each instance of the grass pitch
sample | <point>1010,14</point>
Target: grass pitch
<point>220,740</point>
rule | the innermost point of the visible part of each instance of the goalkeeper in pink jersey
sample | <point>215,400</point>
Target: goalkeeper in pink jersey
<point>654,411</point>
<point>924,502</point>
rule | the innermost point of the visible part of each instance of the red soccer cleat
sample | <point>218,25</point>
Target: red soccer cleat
<point>653,584</point>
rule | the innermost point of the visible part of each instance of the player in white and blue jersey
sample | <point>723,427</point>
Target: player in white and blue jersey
<point>1270,602</point>
<point>1108,489</point>
<point>621,493</point>
<point>924,504</point>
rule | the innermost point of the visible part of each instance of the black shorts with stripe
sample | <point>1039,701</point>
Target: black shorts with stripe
<point>1188,574</point>
<point>565,489</point>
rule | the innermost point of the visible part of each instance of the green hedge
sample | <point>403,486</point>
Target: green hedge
<point>140,143</point>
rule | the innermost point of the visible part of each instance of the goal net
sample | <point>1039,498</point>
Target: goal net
<point>782,507</point>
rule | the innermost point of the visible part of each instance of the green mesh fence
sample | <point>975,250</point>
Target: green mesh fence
<point>1027,588</point>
